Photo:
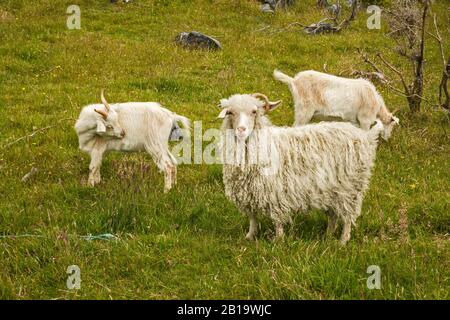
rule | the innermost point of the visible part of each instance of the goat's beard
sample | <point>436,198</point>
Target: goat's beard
<point>257,150</point>
<point>242,138</point>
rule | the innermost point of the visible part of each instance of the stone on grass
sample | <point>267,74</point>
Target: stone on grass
<point>266,8</point>
<point>197,40</point>
<point>321,27</point>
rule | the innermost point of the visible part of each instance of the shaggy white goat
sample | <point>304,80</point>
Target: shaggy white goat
<point>324,166</point>
<point>354,100</point>
<point>131,126</point>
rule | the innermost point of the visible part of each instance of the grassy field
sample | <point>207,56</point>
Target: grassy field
<point>190,243</point>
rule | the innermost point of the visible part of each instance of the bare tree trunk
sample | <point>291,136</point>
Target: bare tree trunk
<point>346,22</point>
<point>416,91</point>
<point>322,3</point>
<point>443,88</point>
<point>285,3</point>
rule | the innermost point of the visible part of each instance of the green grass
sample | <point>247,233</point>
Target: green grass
<point>190,243</point>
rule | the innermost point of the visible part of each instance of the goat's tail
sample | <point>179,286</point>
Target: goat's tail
<point>375,131</point>
<point>280,76</point>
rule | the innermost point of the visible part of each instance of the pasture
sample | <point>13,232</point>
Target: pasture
<point>189,243</point>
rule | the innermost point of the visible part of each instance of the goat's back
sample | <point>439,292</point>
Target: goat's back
<point>144,122</point>
<point>312,75</point>
<point>331,95</point>
<point>327,144</point>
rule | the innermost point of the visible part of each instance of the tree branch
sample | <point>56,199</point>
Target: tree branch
<point>32,134</point>
<point>344,24</point>
<point>390,66</point>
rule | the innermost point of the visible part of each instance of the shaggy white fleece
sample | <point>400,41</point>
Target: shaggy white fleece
<point>324,166</point>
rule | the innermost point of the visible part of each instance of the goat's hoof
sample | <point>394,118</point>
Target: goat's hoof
<point>92,182</point>
<point>250,236</point>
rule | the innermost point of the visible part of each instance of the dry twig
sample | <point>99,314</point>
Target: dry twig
<point>32,134</point>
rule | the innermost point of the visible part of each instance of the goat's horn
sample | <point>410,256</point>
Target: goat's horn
<point>395,111</point>
<point>263,96</point>
<point>103,113</point>
<point>105,103</point>
<point>269,104</point>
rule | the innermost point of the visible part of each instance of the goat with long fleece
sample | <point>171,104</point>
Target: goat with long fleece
<point>354,100</point>
<point>278,171</point>
<point>130,126</point>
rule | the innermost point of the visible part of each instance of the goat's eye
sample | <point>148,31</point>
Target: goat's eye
<point>254,111</point>
<point>229,113</point>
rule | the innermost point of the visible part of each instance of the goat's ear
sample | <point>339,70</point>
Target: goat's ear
<point>101,127</point>
<point>222,113</point>
<point>395,119</point>
<point>272,106</point>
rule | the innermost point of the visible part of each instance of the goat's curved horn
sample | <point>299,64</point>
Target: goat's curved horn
<point>105,103</point>
<point>269,104</point>
<point>102,113</point>
<point>263,96</point>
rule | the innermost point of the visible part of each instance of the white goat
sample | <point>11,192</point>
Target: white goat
<point>324,166</point>
<point>354,100</point>
<point>131,126</point>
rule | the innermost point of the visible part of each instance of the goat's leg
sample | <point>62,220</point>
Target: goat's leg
<point>253,227</point>
<point>167,178</point>
<point>174,167</point>
<point>279,231</point>
<point>352,212</point>
<point>365,125</point>
<point>164,163</point>
<point>167,166</point>
<point>303,115</point>
<point>332,223</point>
<point>174,175</point>
<point>365,121</point>
<point>346,231</point>
<point>170,177</point>
<point>94,166</point>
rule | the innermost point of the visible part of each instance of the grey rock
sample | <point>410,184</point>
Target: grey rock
<point>321,27</point>
<point>349,3</point>
<point>272,3</point>
<point>197,40</point>
<point>266,8</point>
<point>334,9</point>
